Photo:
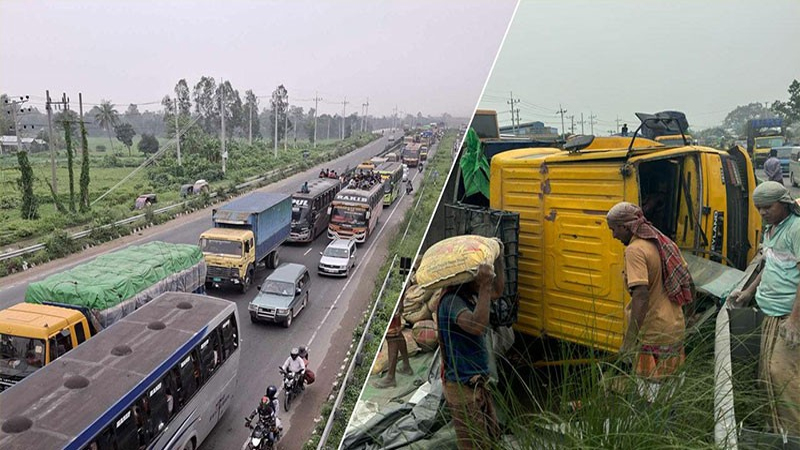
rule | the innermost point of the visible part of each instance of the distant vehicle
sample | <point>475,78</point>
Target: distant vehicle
<point>199,187</point>
<point>245,232</point>
<point>423,153</point>
<point>392,157</point>
<point>391,173</point>
<point>794,166</point>
<point>310,215</point>
<point>762,135</point>
<point>282,295</point>
<point>145,201</point>
<point>338,258</point>
<point>405,172</point>
<point>366,165</point>
<point>355,213</point>
<point>144,383</point>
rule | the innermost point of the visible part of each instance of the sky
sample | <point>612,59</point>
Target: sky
<point>418,56</point>
<point>614,58</point>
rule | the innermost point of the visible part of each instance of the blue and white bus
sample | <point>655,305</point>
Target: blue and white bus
<point>160,378</point>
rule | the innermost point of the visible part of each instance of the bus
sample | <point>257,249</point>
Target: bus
<point>310,209</point>
<point>355,213</point>
<point>392,175</point>
<point>160,378</point>
<point>411,155</point>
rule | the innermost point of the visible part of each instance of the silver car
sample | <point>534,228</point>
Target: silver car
<point>338,258</point>
<point>282,295</point>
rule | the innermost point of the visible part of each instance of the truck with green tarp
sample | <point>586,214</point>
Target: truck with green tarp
<point>65,309</point>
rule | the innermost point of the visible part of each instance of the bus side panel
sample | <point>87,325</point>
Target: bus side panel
<point>584,292</point>
<point>516,186</point>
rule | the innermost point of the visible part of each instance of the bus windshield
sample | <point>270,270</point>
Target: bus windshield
<point>769,142</point>
<point>221,247</point>
<point>349,215</point>
<point>20,355</point>
<point>299,214</point>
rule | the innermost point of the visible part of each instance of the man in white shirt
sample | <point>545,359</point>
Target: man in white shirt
<point>296,365</point>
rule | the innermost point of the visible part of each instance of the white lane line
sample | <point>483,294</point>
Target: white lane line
<point>308,251</point>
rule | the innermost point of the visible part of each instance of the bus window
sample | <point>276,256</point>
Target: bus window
<point>173,389</point>
<point>208,355</point>
<point>125,433</point>
<point>159,409</point>
<point>105,441</point>
<point>188,380</point>
<point>230,340</point>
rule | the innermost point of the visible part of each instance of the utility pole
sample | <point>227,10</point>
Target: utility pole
<point>49,108</point>
<point>222,115</point>
<point>582,122</point>
<point>250,129</point>
<point>592,121</point>
<point>366,116</point>
<point>344,114</point>
<point>618,121</point>
<point>394,118</point>
<point>316,113</point>
<point>286,124</point>
<point>275,141</point>
<point>562,111</point>
<point>178,133</point>
<point>511,103</point>
<point>572,127</point>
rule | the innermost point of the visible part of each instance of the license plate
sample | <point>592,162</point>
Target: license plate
<point>217,279</point>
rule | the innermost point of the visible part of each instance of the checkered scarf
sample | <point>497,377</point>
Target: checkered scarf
<point>676,278</point>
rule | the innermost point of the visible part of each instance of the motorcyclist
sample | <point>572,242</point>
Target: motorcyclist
<point>272,397</point>
<point>409,186</point>
<point>265,410</point>
<point>296,365</point>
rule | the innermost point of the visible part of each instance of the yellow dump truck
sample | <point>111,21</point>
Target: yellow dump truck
<point>570,280</point>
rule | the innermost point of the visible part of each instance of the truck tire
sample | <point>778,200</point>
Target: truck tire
<point>273,260</point>
<point>248,279</point>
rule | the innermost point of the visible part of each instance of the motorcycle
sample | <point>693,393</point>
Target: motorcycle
<point>292,386</point>
<point>264,434</point>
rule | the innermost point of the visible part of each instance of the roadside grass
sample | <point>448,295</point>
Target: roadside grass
<point>416,221</point>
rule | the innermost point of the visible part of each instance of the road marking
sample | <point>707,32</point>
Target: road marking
<point>309,250</point>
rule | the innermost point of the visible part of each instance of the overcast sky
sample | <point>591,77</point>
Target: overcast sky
<point>422,56</point>
<point>615,58</point>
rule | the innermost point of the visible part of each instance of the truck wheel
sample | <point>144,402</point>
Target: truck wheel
<point>288,322</point>
<point>248,279</point>
<point>273,260</point>
<point>791,178</point>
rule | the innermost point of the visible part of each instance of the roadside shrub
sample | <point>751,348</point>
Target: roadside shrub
<point>100,148</point>
<point>59,244</point>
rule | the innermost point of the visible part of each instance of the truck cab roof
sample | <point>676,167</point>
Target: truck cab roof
<point>226,233</point>
<point>36,321</point>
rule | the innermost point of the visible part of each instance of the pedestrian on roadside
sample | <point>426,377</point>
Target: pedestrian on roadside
<point>395,344</point>
<point>659,284</point>
<point>776,290</point>
<point>463,322</point>
<point>772,167</point>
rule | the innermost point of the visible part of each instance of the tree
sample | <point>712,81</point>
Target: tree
<point>182,97</point>
<point>30,207</point>
<point>67,122</point>
<point>148,144</point>
<point>206,104</point>
<point>251,115</point>
<point>107,117</point>
<point>280,103</point>
<point>309,125</point>
<point>736,120</point>
<point>5,118</point>
<point>790,110</point>
<point>233,107</point>
<point>84,182</point>
<point>132,111</point>
<point>125,134</point>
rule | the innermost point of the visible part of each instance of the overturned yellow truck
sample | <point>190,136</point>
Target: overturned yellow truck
<point>570,280</point>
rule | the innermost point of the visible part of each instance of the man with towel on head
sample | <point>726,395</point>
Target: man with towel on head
<point>776,290</point>
<point>659,284</point>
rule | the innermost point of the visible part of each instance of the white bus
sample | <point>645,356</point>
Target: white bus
<point>160,378</point>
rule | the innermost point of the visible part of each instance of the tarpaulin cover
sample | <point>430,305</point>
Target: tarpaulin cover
<point>474,166</point>
<point>115,284</point>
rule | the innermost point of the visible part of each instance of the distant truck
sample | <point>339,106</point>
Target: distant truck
<point>411,155</point>
<point>762,135</point>
<point>65,309</point>
<point>245,232</point>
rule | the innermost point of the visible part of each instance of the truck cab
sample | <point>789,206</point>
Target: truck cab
<point>229,254</point>
<point>33,335</point>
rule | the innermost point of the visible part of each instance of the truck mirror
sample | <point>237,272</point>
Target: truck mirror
<point>330,210</point>
<point>367,215</point>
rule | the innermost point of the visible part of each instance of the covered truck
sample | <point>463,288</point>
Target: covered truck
<point>245,232</point>
<point>65,309</point>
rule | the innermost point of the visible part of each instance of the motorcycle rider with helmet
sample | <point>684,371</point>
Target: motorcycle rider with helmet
<point>267,409</point>
<point>296,365</point>
<point>272,397</point>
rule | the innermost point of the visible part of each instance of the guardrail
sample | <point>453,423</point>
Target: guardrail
<point>82,234</point>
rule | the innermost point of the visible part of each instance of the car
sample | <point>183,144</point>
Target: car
<point>199,187</point>
<point>405,172</point>
<point>282,295</point>
<point>338,258</point>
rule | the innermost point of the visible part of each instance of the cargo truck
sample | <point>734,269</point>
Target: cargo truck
<point>246,232</point>
<point>65,309</point>
<point>762,135</point>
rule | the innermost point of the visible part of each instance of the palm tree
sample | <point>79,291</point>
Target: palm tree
<point>107,117</point>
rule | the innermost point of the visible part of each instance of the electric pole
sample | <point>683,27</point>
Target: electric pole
<point>618,121</point>
<point>562,111</point>
<point>286,123</point>
<point>178,133</point>
<point>511,103</point>
<point>592,121</point>
<point>49,108</point>
<point>275,108</point>
<point>250,129</point>
<point>572,127</point>
<point>222,131</point>
<point>582,122</point>
<point>316,113</point>
<point>394,118</point>
<point>344,114</point>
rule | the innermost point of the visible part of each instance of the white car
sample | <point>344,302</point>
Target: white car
<point>338,258</point>
<point>405,172</point>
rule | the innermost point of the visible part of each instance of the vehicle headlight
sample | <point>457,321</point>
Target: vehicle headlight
<point>282,311</point>
<point>252,307</point>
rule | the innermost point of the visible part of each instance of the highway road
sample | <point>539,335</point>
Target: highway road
<point>336,305</point>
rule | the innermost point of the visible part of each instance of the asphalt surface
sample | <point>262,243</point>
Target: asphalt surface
<point>335,306</point>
